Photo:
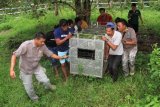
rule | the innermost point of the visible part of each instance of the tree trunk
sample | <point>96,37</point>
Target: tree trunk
<point>83,9</point>
<point>87,10</point>
<point>78,7</point>
<point>56,7</point>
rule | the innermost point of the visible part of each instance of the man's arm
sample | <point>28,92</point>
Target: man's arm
<point>130,42</point>
<point>49,53</point>
<point>20,51</point>
<point>106,51</point>
<point>140,16</point>
<point>58,57</point>
<point>111,45</point>
<point>13,63</point>
<point>59,41</point>
<point>129,15</point>
<point>141,19</point>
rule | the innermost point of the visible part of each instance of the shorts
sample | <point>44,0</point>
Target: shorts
<point>62,61</point>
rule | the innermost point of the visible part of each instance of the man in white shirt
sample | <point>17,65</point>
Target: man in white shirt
<point>113,40</point>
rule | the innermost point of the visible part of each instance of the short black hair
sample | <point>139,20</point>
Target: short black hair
<point>102,9</point>
<point>63,22</point>
<point>56,26</point>
<point>40,35</point>
<point>70,21</point>
<point>117,19</point>
<point>77,19</point>
<point>134,4</point>
<point>110,28</point>
<point>123,21</point>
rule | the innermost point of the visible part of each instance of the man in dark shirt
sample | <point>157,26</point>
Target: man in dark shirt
<point>52,46</point>
<point>133,17</point>
<point>62,36</point>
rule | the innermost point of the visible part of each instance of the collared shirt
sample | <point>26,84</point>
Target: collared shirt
<point>116,40</point>
<point>30,56</point>
<point>129,35</point>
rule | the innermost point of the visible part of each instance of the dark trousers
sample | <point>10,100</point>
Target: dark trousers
<point>113,63</point>
<point>135,27</point>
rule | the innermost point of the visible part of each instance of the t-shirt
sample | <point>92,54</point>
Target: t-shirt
<point>103,19</point>
<point>129,35</point>
<point>30,56</point>
<point>50,42</point>
<point>60,34</point>
<point>116,40</point>
<point>134,16</point>
<point>84,24</point>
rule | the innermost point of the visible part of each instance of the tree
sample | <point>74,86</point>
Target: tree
<point>56,7</point>
<point>81,7</point>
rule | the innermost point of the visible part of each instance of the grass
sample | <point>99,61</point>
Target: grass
<point>80,91</point>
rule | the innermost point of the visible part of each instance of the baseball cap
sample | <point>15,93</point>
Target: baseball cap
<point>110,25</point>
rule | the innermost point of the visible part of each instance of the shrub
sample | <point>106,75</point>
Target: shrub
<point>155,67</point>
<point>155,6</point>
<point>15,41</point>
<point>151,97</point>
<point>5,27</point>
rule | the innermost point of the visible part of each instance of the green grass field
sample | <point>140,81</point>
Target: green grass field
<point>79,91</point>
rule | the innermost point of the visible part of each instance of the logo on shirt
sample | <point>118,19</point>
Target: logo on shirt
<point>63,36</point>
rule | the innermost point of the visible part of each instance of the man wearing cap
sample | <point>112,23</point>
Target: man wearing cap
<point>30,53</point>
<point>113,40</point>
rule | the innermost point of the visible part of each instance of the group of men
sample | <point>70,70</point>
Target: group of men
<point>133,17</point>
<point>120,40</point>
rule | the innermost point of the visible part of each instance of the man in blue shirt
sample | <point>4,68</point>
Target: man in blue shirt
<point>62,36</point>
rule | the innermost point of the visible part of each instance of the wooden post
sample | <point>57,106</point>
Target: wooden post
<point>142,4</point>
<point>56,7</point>
<point>83,9</point>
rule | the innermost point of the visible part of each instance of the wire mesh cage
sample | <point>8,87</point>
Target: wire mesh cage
<point>87,57</point>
